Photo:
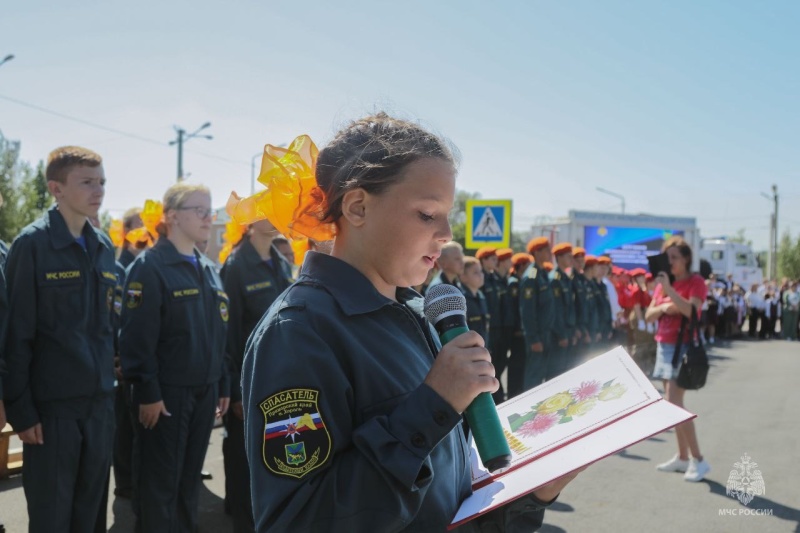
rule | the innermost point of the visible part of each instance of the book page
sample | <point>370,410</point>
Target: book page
<point>640,425</point>
<point>576,403</point>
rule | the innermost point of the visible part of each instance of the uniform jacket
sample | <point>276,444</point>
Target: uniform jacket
<point>478,317</point>
<point>564,293</point>
<point>60,343</point>
<point>252,285</point>
<point>174,321</point>
<point>537,306</point>
<point>341,432</point>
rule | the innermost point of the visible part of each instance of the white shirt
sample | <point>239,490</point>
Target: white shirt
<point>613,298</point>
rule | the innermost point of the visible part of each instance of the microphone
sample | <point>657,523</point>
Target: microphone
<point>446,309</point>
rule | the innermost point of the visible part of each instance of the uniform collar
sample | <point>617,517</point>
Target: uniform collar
<point>170,253</point>
<point>351,289</point>
<point>60,237</point>
<point>248,254</point>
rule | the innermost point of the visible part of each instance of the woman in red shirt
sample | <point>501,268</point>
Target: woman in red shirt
<point>671,302</point>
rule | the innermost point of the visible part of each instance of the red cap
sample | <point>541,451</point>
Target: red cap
<point>537,244</point>
<point>521,259</point>
<point>486,251</point>
<point>590,261</point>
<point>603,260</point>
<point>504,253</point>
<point>648,276</point>
<point>547,265</point>
<point>638,272</point>
<point>562,248</point>
<point>578,251</point>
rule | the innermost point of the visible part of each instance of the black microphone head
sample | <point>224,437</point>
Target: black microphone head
<point>442,301</point>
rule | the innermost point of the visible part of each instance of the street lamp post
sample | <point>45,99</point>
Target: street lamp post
<point>615,195</point>
<point>182,138</point>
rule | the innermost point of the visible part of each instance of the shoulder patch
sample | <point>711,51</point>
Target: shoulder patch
<point>296,441</point>
<point>133,296</point>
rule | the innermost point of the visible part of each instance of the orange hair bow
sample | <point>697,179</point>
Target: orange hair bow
<point>233,234</point>
<point>152,215</point>
<point>292,202</point>
<point>117,233</point>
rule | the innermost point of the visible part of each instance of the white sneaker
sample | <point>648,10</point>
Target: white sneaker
<point>697,470</point>
<point>676,464</point>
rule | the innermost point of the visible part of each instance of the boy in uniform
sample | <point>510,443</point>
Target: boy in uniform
<point>60,349</point>
<point>472,280</point>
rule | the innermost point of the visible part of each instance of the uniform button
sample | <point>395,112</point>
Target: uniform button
<point>418,440</point>
<point>439,417</point>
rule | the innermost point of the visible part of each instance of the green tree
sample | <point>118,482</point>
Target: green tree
<point>458,215</point>
<point>24,191</point>
<point>741,238</point>
<point>789,257</point>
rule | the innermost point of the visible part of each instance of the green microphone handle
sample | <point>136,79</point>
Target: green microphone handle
<point>484,422</point>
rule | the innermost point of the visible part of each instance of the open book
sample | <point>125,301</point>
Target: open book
<point>578,418</point>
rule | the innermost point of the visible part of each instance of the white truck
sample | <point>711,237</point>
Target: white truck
<point>726,257</point>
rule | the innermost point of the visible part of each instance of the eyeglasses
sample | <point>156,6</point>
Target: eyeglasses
<point>200,211</point>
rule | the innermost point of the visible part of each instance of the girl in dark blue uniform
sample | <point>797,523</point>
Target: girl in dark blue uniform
<point>352,409</point>
<point>172,345</point>
<point>253,276</point>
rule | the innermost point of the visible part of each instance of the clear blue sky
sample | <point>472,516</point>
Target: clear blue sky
<point>687,108</point>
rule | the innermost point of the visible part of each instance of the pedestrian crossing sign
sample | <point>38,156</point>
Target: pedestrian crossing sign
<point>488,223</point>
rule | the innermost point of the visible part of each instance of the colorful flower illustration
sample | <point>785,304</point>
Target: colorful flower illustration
<point>562,407</point>
<point>539,424</point>
<point>581,408</point>
<point>612,393</point>
<point>587,390</point>
<point>555,403</point>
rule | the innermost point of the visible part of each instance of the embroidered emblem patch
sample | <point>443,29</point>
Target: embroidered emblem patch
<point>133,296</point>
<point>528,293</point>
<point>110,298</point>
<point>296,441</point>
<point>223,311</point>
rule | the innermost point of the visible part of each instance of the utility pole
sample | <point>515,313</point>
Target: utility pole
<point>182,138</point>
<point>772,267</point>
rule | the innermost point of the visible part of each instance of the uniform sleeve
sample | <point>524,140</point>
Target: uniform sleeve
<point>22,290</point>
<point>375,477</point>
<point>559,322</point>
<point>234,346</point>
<point>528,296</point>
<point>140,330</point>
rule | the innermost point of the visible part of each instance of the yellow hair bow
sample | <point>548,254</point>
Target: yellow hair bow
<point>292,202</point>
<point>152,215</point>
<point>233,234</point>
<point>117,233</point>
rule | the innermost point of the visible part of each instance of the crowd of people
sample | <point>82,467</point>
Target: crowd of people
<point>124,355</point>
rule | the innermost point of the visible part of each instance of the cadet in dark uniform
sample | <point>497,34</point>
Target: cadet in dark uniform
<point>604,315</point>
<point>516,360</point>
<point>353,412</point>
<point>60,348</point>
<point>123,436</point>
<point>172,345</point>
<point>478,317</point>
<point>3,329</point>
<point>253,276</point>
<point>451,263</point>
<point>579,283</point>
<point>537,313</point>
<point>593,301</point>
<point>566,317</point>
